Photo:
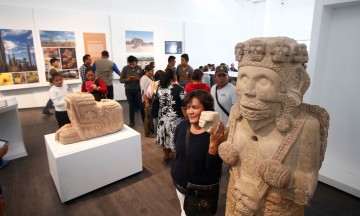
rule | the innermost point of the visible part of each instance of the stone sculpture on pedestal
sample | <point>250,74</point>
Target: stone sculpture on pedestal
<point>276,143</point>
<point>89,118</point>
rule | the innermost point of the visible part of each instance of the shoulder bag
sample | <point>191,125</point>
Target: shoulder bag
<point>199,199</point>
<point>221,107</point>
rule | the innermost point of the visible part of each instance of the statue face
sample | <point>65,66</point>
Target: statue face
<point>260,92</point>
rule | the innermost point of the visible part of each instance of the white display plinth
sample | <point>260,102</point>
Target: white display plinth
<point>82,167</point>
<point>10,129</point>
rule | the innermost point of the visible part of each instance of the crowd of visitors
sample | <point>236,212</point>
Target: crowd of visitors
<point>180,93</point>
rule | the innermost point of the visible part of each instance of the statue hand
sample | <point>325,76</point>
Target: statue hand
<point>228,153</point>
<point>275,174</point>
<point>300,197</point>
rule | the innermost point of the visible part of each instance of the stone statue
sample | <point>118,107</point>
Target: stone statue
<point>276,143</point>
<point>89,118</point>
<point>209,119</point>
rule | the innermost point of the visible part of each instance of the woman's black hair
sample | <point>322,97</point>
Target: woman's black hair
<point>158,74</point>
<point>205,98</point>
<point>56,74</point>
<point>89,69</point>
<point>166,77</point>
<point>148,68</point>
<point>197,75</point>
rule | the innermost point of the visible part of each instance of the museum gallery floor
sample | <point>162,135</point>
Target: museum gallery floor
<point>29,189</point>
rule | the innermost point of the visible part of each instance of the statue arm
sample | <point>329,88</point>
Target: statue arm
<point>307,168</point>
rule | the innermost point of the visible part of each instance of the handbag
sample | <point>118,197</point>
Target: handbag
<point>199,199</point>
<point>155,104</point>
<point>97,95</point>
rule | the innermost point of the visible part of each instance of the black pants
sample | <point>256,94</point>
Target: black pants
<point>48,106</point>
<point>62,118</point>
<point>134,97</point>
<point>110,94</point>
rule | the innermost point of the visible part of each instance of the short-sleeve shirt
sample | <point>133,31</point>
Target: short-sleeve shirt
<point>184,75</point>
<point>144,84</point>
<point>227,97</point>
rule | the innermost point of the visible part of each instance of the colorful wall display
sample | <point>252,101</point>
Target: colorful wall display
<point>139,41</point>
<point>173,47</point>
<point>94,44</point>
<point>17,57</point>
<point>60,45</point>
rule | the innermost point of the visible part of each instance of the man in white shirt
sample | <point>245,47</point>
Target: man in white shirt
<point>224,93</point>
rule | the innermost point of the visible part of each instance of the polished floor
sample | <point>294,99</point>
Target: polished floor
<point>29,189</point>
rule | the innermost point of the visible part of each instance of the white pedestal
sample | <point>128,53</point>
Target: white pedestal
<point>10,128</point>
<point>82,167</point>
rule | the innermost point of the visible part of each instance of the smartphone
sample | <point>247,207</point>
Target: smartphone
<point>3,142</point>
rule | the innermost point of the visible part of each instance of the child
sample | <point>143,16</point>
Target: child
<point>57,94</point>
<point>54,67</point>
<point>94,85</point>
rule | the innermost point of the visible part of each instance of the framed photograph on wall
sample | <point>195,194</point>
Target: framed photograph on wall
<point>173,47</point>
<point>139,41</point>
<point>60,45</point>
<point>17,58</point>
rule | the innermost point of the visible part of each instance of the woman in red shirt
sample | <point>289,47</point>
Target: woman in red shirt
<point>95,86</point>
<point>196,83</point>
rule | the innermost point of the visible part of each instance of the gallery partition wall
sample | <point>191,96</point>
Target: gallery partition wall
<point>334,69</point>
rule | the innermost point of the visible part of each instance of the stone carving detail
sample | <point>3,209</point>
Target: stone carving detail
<point>276,143</point>
<point>209,119</point>
<point>89,118</point>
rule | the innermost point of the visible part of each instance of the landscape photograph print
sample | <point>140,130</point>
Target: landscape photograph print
<point>139,41</point>
<point>57,38</point>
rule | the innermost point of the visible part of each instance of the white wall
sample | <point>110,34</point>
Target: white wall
<point>49,19</point>
<point>291,18</point>
<point>335,73</point>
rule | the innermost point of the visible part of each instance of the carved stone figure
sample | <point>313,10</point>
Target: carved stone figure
<point>209,119</point>
<point>89,118</point>
<point>276,143</point>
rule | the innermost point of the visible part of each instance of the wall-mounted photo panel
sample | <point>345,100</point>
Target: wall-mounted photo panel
<point>60,45</point>
<point>173,47</point>
<point>94,44</point>
<point>139,41</point>
<point>57,39</point>
<point>17,57</point>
